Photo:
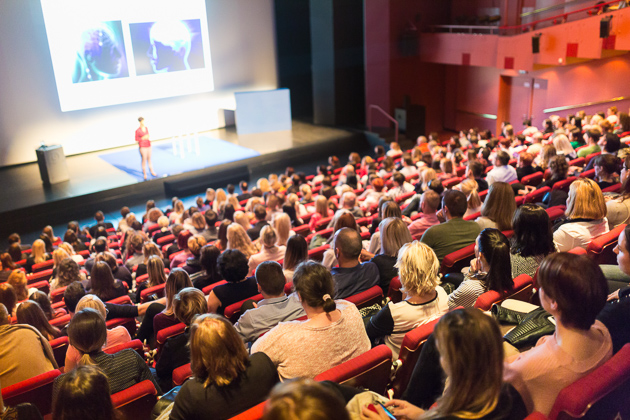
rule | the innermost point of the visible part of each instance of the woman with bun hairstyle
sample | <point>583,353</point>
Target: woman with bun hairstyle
<point>333,333</point>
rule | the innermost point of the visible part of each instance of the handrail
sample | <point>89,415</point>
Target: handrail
<point>478,114</point>
<point>382,111</point>
<point>469,28</point>
<point>553,7</point>
<point>563,15</point>
<point>566,107</point>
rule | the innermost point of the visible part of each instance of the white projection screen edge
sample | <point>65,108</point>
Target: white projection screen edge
<point>121,51</point>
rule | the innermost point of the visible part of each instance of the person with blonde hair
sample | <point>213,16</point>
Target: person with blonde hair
<point>237,238</point>
<point>424,300</point>
<point>470,188</point>
<point>155,270</point>
<point>38,255</point>
<point>322,210</point>
<point>226,381</point>
<point>427,176</point>
<point>70,251</point>
<point>548,151</point>
<point>115,336</point>
<point>586,216</point>
<point>87,333</point>
<point>498,209</point>
<point>58,255</point>
<point>263,185</point>
<point>307,194</point>
<point>563,146</point>
<point>270,251</point>
<point>193,265</point>
<point>220,201</point>
<point>282,225</point>
<point>177,213</point>
<point>241,218</point>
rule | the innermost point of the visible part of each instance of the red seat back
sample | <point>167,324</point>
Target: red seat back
<point>455,261</point>
<point>613,188</point>
<point>59,348</point>
<point>159,290</point>
<point>133,345</point>
<point>206,290</point>
<point>588,174</point>
<point>537,195</point>
<point>303,230</point>
<point>394,292</point>
<point>39,276</point>
<point>254,413</point>
<point>233,311</point>
<point>128,323</point>
<point>37,390</point>
<point>57,294</point>
<point>564,184</point>
<point>43,286</point>
<point>577,162</point>
<point>60,322</point>
<point>181,374</point>
<point>317,254</point>
<point>523,290</point>
<point>592,156</point>
<point>600,249</point>
<point>472,216</point>
<point>601,395</point>
<point>367,298</point>
<point>43,266</point>
<point>533,179</point>
<point>323,222</point>
<point>405,196</point>
<point>555,212</point>
<point>371,370</point>
<point>136,402</point>
<point>450,183</point>
<point>409,353</point>
<point>167,333</point>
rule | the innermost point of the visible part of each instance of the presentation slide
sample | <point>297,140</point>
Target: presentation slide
<point>121,51</point>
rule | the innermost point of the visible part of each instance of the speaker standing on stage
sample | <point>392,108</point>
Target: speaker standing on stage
<point>142,137</point>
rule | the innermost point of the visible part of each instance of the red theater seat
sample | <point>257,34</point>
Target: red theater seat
<point>46,265</point>
<point>450,183</point>
<point>455,261</point>
<point>317,254</point>
<point>59,348</point>
<point>523,290</point>
<point>168,239</point>
<point>394,292</point>
<point>588,174</point>
<point>601,395</point>
<point>42,275</point>
<point>254,413</point>
<point>367,298</point>
<point>555,212</point>
<point>158,290</point>
<point>206,290</point>
<point>133,345</point>
<point>303,230</point>
<point>600,249</point>
<point>181,374</point>
<point>613,188</point>
<point>564,184</point>
<point>537,195</point>
<point>233,311</point>
<point>370,370</point>
<point>137,401</point>
<point>167,333</point>
<point>37,390</point>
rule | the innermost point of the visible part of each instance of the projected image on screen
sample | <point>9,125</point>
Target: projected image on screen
<point>166,46</point>
<point>100,53</point>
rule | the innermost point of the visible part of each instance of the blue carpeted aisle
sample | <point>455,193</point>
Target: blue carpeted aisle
<point>211,152</point>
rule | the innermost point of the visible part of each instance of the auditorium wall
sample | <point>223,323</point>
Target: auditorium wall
<point>242,43</point>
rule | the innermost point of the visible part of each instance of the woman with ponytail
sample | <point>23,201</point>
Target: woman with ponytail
<point>490,270</point>
<point>333,333</point>
<point>87,333</point>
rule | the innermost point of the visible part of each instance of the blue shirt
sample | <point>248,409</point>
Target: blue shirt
<point>350,281</point>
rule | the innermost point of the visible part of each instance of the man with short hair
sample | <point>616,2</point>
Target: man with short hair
<point>261,221</point>
<point>348,205</point>
<point>210,232</point>
<point>455,233</point>
<point>401,186</point>
<point>100,245</point>
<point>502,171</point>
<point>100,221</point>
<point>275,307</point>
<point>231,190</point>
<point>245,194</point>
<point>591,137</point>
<point>351,276</point>
<point>429,205</point>
<point>474,171</point>
<point>408,167</point>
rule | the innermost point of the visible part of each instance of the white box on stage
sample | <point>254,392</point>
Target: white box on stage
<point>52,164</point>
<point>263,111</point>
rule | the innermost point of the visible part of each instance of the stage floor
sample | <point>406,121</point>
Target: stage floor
<point>90,173</point>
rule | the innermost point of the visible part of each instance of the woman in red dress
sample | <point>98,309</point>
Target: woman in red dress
<point>142,137</point>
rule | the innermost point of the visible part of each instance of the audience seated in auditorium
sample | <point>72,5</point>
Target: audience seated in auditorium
<point>586,216</point>
<point>227,383</point>
<point>100,222</point>
<point>182,245</point>
<point>456,232</point>
<point>618,208</point>
<point>21,343</point>
<point>260,212</point>
<point>296,347</point>
<point>400,187</point>
<point>348,205</point>
<point>296,253</point>
<point>429,205</point>
<point>591,137</point>
<point>275,307</point>
<point>269,250</point>
<point>573,290</point>
<point>30,313</point>
<point>193,264</point>
<point>38,255</point>
<point>103,283</point>
<point>424,300</point>
<point>209,273</point>
<point>351,276</point>
<point>87,333</point>
<point>489,270</point>
<point>502,171</point>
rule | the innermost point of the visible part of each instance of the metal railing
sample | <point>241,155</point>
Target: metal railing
<point>385,114</point>
<point>585,104</point>
<point>465,29</point>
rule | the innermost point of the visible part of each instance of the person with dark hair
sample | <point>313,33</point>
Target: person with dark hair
<point>305,399</point>
<point>187,305</point>
<point>72,295</point>
<point>260,213</point>
<point>182,245</point>
<point>296,253</point>
<point>245,194</point>
<point>209,273</point>
<point>6,266</point>
<point>275,307</point>
<point>8,297</point>
<point>233,267</point>
<point>100,222</point>
<point>502,171</point>
<point>84,393</point>
<point>176,230</point>
<point>591,137</point>
<point>475,171</point>
<point>24,352</point>
<point>489,270</point>
<point>227,383</point>
<point>400,187</point>
<point>31,313</point>
<point>42,300</point>
<point>71,237</point>
<point>15,251</point>
<point>14,238</point>
<point>456,233</point>
<point>296,348</point>
<point>87,333</point>
<point>99,245</point>
<point>210,232</point>
<point>351,276</point>
<point>532,240</point>
<point>103,283</point>
<point>606,166</point>
<point>573,290</point>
